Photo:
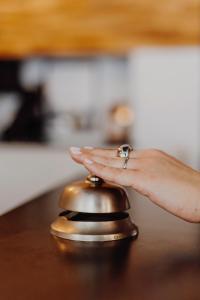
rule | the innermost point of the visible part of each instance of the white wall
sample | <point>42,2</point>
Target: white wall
<point>84,86</point>
<point>165,90</point>
<point>68,85</point>
<point>27,171</point>
<point>163,84</point>
<point>78,84</point>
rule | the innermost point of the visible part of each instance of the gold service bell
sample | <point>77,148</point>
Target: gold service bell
<point>94,211</point>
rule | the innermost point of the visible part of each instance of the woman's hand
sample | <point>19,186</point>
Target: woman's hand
<point>163,179</point>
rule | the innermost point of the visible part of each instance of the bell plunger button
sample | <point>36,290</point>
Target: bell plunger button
<point>95,180</point>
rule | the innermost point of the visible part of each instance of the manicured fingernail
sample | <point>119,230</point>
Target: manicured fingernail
<point>88,147</point>
<point>88,161</point>
<point>75,150</point>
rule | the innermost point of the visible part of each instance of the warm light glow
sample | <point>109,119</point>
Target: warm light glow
<point>123,115</point>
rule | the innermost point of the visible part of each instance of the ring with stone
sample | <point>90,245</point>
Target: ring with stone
<point>124,151</point>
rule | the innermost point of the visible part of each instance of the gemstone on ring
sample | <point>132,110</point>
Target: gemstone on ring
<point>124,150</point>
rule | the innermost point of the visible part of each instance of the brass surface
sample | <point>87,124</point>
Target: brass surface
<point>91,197</point>
<point>94,211</point>
<point>93,231</point>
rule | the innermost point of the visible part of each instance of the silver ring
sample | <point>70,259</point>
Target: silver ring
<point>125,162</point>
<point>124,151</point>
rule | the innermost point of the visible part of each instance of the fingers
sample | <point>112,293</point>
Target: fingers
<point>117,162</point>
<point>105,157</point>
<point>112,153</point>
<point>120,176</point>
<point>76,154</point>
<point>139,159</point>
<point>109,153</point>
<point>108,167</point>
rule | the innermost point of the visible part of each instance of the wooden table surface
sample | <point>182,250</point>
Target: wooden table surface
<point>163,263</point>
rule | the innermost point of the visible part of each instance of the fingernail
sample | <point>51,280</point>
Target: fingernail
<point>88,161</point>
<point>88,147</point>
<point>75,150</point>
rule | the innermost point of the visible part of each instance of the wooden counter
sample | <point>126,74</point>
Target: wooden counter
<point>163,263</point>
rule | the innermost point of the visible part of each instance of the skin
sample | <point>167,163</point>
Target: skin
<point>166,181</point>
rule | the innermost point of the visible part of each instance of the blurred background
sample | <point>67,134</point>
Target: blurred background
<point>98,73</point>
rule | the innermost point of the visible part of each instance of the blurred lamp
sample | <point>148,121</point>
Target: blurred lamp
<point>120,122</point>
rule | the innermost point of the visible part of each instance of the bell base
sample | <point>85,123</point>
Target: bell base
<point>94,238</point>
<point>93,231</point>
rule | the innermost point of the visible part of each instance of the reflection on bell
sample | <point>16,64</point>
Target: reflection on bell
<point>94,211</point>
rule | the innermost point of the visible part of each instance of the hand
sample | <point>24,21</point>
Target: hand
<point>163,179</point>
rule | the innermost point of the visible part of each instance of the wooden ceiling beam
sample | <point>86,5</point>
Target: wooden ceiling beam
<point>82,27</point>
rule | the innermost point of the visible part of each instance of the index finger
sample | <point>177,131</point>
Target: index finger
<point>112,153</point>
